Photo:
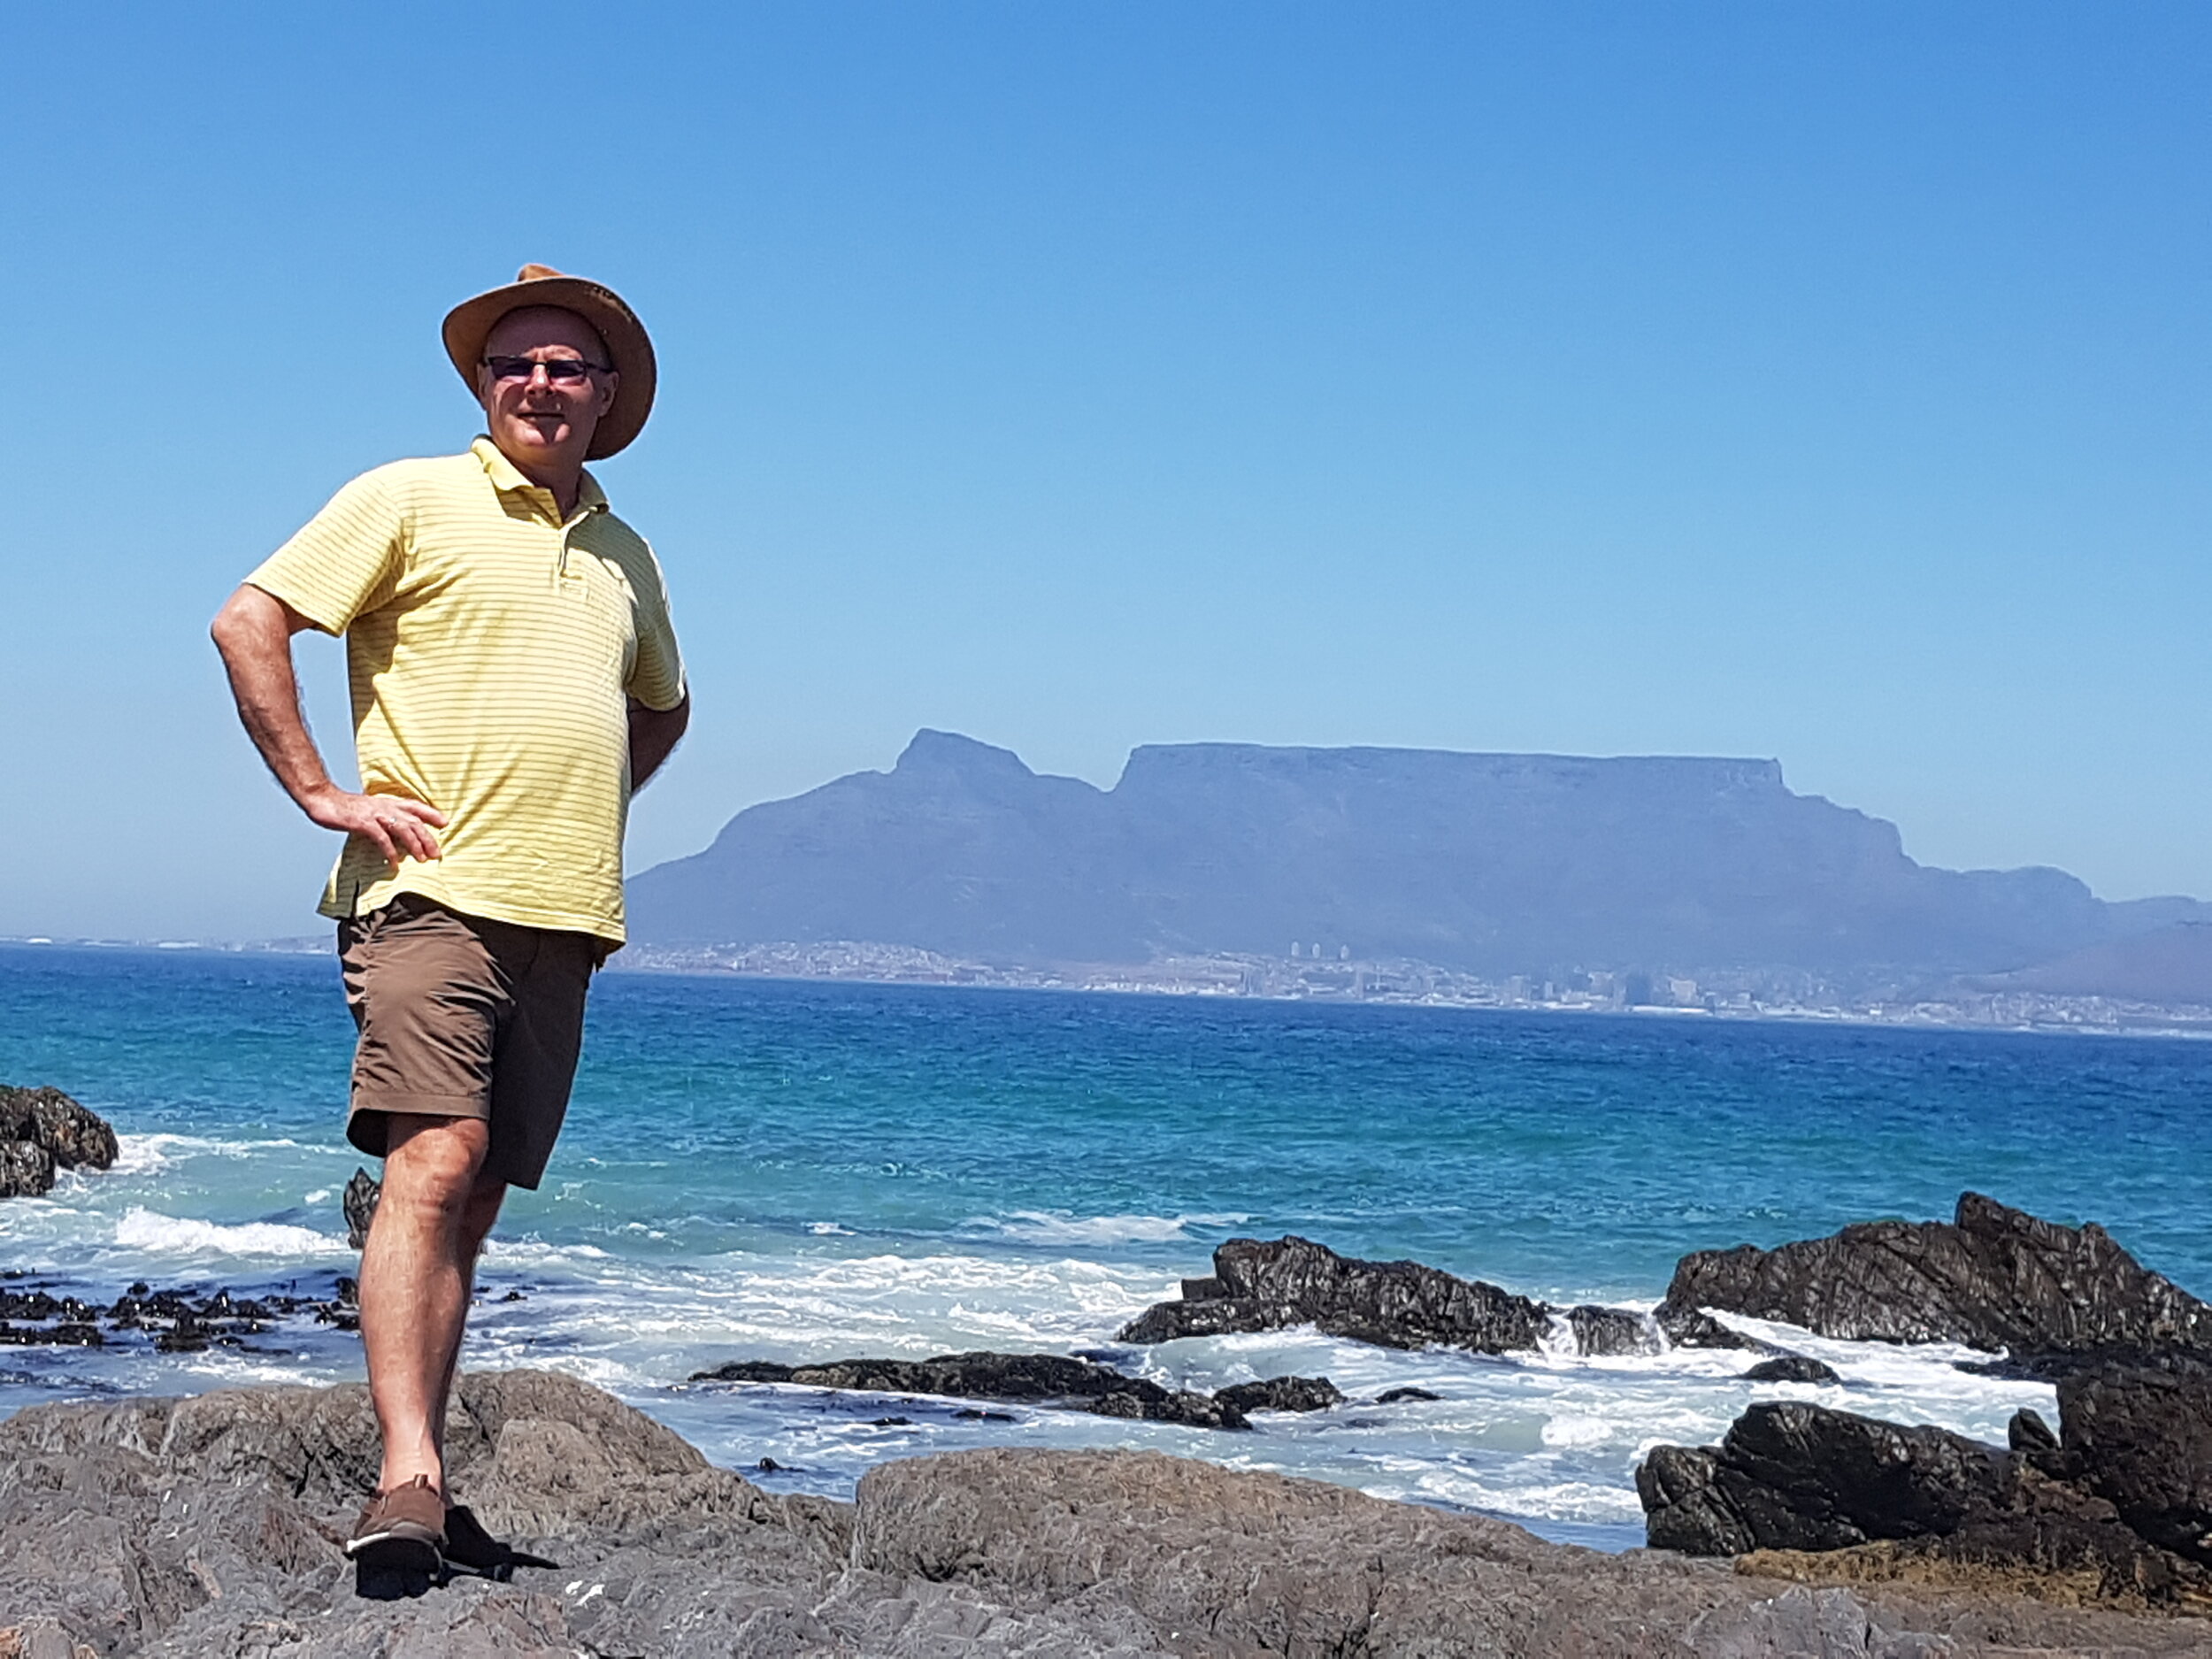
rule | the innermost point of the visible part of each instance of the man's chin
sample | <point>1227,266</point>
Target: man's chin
<point>525,439</point>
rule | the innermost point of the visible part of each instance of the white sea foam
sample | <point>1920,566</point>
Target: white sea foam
<point>147,1154</point>
<point>1043,1226</point>
<point>158,1235</point>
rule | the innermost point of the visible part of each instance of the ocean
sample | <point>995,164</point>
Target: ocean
<point>795,1172</point>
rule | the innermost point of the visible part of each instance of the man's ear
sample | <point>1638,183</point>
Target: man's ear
<point>610,383</point>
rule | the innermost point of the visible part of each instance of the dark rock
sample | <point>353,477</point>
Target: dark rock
<point>1790,1476</point>
<point>1608,1332</point>
<point>208,1528</point>
<point>1994,1278</point>
<point>2143,1440</point>
<point>174,1320</point>
<point>1398,1396</point>
<point>359,1204</point>
<point>1045,1379</point>
<point>1792,1368</point>
<point>2029,1432</point>
<point>768,1466</point>
<point>1692,1327</point>
<point>890,1423</point>
<point>1825,1497</point>
<point>1281,1394</point>
<point>26,1170</point>
<point>75,1136</point>
<point>976,1414</point>
<point>1292,1281</point>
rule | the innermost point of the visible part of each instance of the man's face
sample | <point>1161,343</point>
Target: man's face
<point>534,418</point>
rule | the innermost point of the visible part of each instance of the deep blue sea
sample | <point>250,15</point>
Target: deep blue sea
<point>804,1171</point>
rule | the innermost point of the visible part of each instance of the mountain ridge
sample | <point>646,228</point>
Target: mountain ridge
<point>1490,862</point>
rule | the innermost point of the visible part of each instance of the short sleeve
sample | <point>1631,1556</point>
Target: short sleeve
<point>656,676</point>
<point>345,561</point>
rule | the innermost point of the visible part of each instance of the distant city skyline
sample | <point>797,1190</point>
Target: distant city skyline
<point>1818,384</point>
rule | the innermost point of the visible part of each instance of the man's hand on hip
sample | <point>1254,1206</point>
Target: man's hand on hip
<point>399,827</point>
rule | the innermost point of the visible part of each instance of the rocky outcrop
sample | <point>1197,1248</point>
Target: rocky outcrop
<point>1793,1368</point>
<point>42,1130</point>
<point>1282,1394</point>
<point>2115,1506</point>
<point>160,1529</point>
<point>359,1205</point>
<point>171,1321</point>
<point>1269,1286</point>
<point>2051,1297</point>
<point>1792,1475</point>
<point>2142,1439</point>
<point>1051,1381</point>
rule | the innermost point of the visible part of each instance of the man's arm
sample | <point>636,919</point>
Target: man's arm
<point>653,735</point>
<point>254,631</point>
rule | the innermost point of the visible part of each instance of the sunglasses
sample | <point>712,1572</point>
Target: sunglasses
<point>560,371</point>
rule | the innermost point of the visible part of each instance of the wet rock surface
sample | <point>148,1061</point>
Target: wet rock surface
<point>2114,1507</point>
<point>1282,1394</point>
<point>2142,1439</point>
<point>1793,1368</point>
<point>359,1205</point>
<point>210,1527</point>
<point>2053,1297</point>
<point>42,1130</point>
<point>1260,1285</point>
<point>173,1320</point>
<point>1051,1381</point>
<point>2047,1300</point>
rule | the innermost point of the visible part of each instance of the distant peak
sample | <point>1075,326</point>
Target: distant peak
<point>949,752</point>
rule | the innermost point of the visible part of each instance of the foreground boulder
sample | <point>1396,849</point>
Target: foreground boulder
<point>1995,1278</point>
<point>2142,1439</point>
<point>210,1528</point>
<point>1044,1380</point>
<point>1792,1475</point>
<point>1270,1286</point>
<point>42,1130</point>
<point>2115,1506</point>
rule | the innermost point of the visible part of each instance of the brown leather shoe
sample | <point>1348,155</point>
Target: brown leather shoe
<point>402,1531</point>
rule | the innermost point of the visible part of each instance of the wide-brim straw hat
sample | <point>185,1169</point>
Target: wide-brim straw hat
<point>629,349</point>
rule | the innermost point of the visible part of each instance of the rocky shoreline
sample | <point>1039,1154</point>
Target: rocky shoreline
<point>1901,1538</point>
<point>208,1527</point>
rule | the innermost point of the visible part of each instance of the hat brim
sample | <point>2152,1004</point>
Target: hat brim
<point>630,349</point>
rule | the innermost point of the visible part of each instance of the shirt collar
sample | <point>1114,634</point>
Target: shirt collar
<point>505,476</point>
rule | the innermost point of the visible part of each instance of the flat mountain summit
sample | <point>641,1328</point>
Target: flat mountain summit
<point>1489,864</point>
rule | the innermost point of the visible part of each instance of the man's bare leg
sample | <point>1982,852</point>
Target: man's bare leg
<point>476,1225</point>
<point>415,1275</point>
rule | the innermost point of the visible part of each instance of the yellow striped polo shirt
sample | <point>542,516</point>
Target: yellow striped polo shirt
<point>491,646</point>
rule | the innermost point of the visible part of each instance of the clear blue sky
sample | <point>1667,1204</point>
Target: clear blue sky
<point>1827,382</point>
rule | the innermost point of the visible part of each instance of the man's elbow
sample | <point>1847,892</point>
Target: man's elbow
<point>232,625</point>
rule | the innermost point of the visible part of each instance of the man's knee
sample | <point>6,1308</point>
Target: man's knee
<point>435,1163</point>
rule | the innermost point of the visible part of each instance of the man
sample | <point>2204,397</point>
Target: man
<point>514,679</point>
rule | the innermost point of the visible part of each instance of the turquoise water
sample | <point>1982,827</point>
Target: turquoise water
<point>802,1171</point>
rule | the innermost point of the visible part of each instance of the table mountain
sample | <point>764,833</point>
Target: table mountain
<point>1490,863</point>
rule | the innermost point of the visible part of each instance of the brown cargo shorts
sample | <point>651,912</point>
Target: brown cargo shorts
<point>460,1017</point>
